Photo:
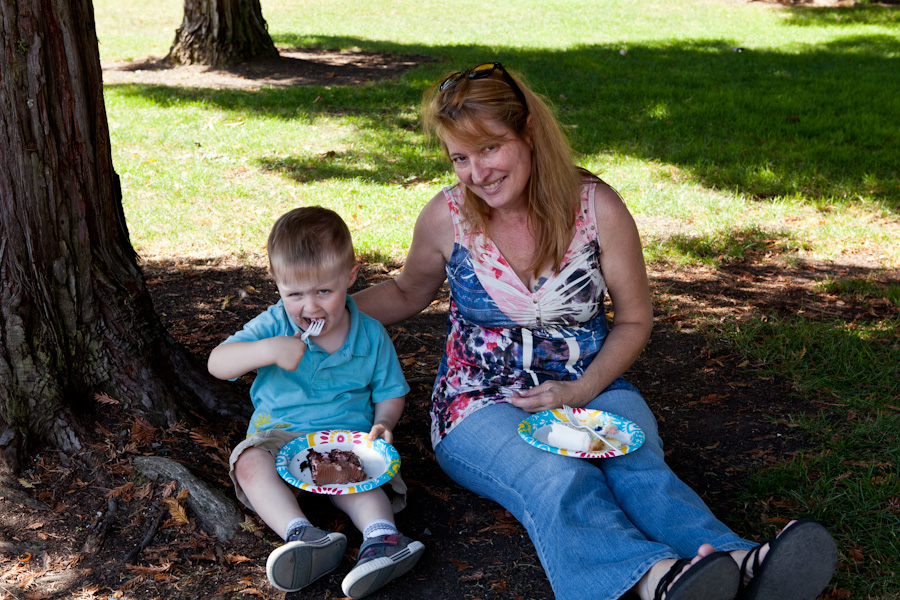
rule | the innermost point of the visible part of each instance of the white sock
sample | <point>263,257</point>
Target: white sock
<point>298,522</point>
<point>379,527</point>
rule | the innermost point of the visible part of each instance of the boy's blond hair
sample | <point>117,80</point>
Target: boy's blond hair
<point>309,242</point>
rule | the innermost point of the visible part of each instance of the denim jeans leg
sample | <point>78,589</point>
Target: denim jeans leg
<point>678,517</point>
<point>588,546</point>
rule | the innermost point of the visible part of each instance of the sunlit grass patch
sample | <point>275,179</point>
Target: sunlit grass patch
<point>210,173</point>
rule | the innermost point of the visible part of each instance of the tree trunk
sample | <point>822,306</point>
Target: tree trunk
<point>75,316</point>
<point>221,32</point>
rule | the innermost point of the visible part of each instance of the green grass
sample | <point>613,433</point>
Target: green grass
<point>206,175</point>
<point>719,247</point>
<point>865,288</point>
<point>853,479</point>
<point>681,123</point>
<point>733,131</point>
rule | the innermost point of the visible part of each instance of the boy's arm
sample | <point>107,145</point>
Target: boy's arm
<point>387,414</point>
<point>232,360</point>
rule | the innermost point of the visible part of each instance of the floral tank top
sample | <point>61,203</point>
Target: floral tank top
<point>503,337</point>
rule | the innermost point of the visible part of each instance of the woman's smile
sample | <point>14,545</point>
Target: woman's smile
<point>492,187</point>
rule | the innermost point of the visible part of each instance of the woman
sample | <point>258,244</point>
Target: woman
<point>530,245</point>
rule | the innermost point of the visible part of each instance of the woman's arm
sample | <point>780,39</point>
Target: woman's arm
<point>622,263</point>
<point>423,272</point>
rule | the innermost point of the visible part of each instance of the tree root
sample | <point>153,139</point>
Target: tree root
<point>94,543</point>
<point>9,492</point>
<point>151,533</point>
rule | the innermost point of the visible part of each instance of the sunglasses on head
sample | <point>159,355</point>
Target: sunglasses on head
<point>480,72</point>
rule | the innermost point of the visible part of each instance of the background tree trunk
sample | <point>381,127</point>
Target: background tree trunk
<point>75,316</point>
<point>221,32</point>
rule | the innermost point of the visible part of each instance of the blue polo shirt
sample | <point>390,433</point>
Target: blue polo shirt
<point>327,391</point>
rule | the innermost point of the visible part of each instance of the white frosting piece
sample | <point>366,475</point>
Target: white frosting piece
<point>563,436</point>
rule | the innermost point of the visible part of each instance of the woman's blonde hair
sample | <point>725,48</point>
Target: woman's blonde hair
<point>307,243</point>
<point>465,108</point>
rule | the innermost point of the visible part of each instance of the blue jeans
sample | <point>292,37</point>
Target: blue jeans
<point>597,526</point>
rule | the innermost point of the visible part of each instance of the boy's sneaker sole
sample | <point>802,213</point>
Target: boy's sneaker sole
<point>368,577</point>
<point>297,564</point>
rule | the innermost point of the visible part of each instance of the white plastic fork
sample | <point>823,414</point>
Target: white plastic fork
<point>576,422</point>
<point>315,328</point>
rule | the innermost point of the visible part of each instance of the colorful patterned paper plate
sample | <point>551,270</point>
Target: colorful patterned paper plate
<point>379,459</point>
<point>535,429</point>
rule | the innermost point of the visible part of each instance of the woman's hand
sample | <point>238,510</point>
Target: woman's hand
<point>550,394</point>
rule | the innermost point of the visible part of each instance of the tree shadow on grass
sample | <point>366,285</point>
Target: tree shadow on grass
<point>888,16</point>
<point>817,123</point>
<point>721,247</point>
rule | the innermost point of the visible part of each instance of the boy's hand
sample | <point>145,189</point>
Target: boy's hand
<point>387,414</point>
<point>380,431</point>
<point>288,351</point>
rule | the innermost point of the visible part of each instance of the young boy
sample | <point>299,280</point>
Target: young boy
<point>346,377</point>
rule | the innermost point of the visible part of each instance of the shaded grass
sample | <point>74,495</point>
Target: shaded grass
<point>764,122</point>
<point>855,363</point>
<point>864,288</point>
<point>852,484</point>
<point>852,481</point>
<point>862,14</point>
<point>719,247</point>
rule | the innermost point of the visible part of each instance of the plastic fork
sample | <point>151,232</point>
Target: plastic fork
<point>576,422</point>
<point>315,328</point>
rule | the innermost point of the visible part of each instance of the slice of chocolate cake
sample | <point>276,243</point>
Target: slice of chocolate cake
<point>334,467</point>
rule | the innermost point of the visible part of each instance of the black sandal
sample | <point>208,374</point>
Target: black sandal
<point>713,577</point>
<point>798,566</point>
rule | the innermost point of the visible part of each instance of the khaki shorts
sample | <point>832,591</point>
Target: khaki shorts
<point>272,440</point>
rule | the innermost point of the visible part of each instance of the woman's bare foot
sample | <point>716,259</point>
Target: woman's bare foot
<point>704,550</point>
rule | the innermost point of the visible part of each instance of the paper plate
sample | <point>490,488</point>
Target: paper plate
<point>535,429</point>
<point>379,459</point>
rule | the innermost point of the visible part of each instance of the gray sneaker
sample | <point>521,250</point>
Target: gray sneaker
<point>381,559</point>
<point>308,554</point>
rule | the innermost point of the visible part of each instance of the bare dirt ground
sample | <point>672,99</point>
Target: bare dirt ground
<point>87,527</point>
<point>294,67</point>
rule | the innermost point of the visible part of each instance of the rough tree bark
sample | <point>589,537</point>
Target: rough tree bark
<point>221,32</point>
<point>75,316</point>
